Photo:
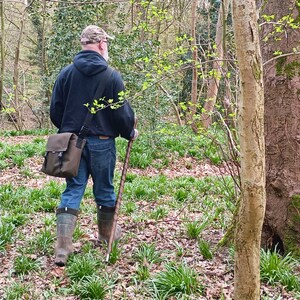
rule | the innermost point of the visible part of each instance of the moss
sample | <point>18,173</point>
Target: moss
<point>280,61</point>
<point>297,20</point>
<point>296,201</point>
<point>291,244</point>
<point>289,70</point>
<point>292,69</point>
<point>295,210</point>
<point>256,70</point>
<point>291,239</point>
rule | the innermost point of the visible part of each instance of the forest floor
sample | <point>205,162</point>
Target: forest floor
<point>167,233</point>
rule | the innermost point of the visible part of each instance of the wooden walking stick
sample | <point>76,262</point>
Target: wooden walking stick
<point>119,198</point>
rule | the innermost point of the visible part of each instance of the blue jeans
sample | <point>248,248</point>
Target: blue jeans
<point>98,160</point>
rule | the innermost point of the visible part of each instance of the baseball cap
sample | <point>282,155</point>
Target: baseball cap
<point>93,34</point>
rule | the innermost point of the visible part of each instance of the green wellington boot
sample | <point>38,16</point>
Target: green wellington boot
<point>65,221</point>
<point>105,218</point>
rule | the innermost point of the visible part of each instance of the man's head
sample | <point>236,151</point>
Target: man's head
<point>95,38</point>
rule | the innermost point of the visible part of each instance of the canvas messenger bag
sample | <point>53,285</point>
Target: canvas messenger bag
<point>64,150</point>
<point>63,154</point>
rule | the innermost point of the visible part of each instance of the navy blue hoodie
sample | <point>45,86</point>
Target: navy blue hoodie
<point>76,85</point>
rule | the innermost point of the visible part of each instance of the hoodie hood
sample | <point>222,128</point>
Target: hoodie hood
<point>89,62</point>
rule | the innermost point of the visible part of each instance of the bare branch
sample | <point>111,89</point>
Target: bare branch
<point>279,56</point>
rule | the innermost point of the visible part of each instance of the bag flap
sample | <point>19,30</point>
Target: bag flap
<point>58,142</point>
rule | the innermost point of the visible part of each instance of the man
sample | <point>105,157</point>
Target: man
<point>76,86</point>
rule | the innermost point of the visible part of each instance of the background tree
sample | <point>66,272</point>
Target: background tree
<point>18,84</point>
<point>252,201</point>
<point>68,20</point>
<point>194,92</point>
<point>153,50</point>
<point>17,89</point>
<point>214,81</point>
<point>2,39</point>
<point>38,15</point>
<point>15,69</point>
<point>280,38</point>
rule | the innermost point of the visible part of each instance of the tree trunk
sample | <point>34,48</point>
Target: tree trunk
<point>43,39</point>
<point>282,97</point>
<point>214,81</point>
<point>2,41</point>
<point>251,129</point>
<point>193,104</point>
<point>16,79</point>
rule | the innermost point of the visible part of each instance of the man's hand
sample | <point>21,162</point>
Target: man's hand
<point>136,134</point>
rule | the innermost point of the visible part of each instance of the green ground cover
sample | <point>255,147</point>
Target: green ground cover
<point>172,225</point>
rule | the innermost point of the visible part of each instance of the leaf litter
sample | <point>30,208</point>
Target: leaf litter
<point>168,234</point>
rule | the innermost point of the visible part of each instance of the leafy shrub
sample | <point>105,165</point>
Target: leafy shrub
<point>193,229</point>
<point>23,265</point>
<point>16,219</point>
<point>176,281</point>
<point>181,195</point>
<point>275,268</point>
<point>129,207</point>
<point>42,242</point>
<point>16,154</point>
<point>147,254</point>
<point>205,250</point>
<point>142,272</point>
<point>6,234</point>
<point>91,287</point>
<point>17,290</point>
<point>114,253</point>
<point>158,213</point>
<point>82,266</point>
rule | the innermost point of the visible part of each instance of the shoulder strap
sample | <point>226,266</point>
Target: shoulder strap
<point>104,80</point>
<point>108,72</point>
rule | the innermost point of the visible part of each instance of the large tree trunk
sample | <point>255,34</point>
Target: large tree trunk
<point>282,110</point>
<point>251,129</point>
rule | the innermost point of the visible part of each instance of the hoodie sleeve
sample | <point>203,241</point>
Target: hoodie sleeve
<point>57,104</point>
<point>123,116</point>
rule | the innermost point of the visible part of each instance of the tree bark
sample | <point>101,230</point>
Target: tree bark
<point>16,79</point>
<point>251,129</point>
<point>282,95</point>
<point>2,48</point>
<point>193,104</point>
<point>214,81</point>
